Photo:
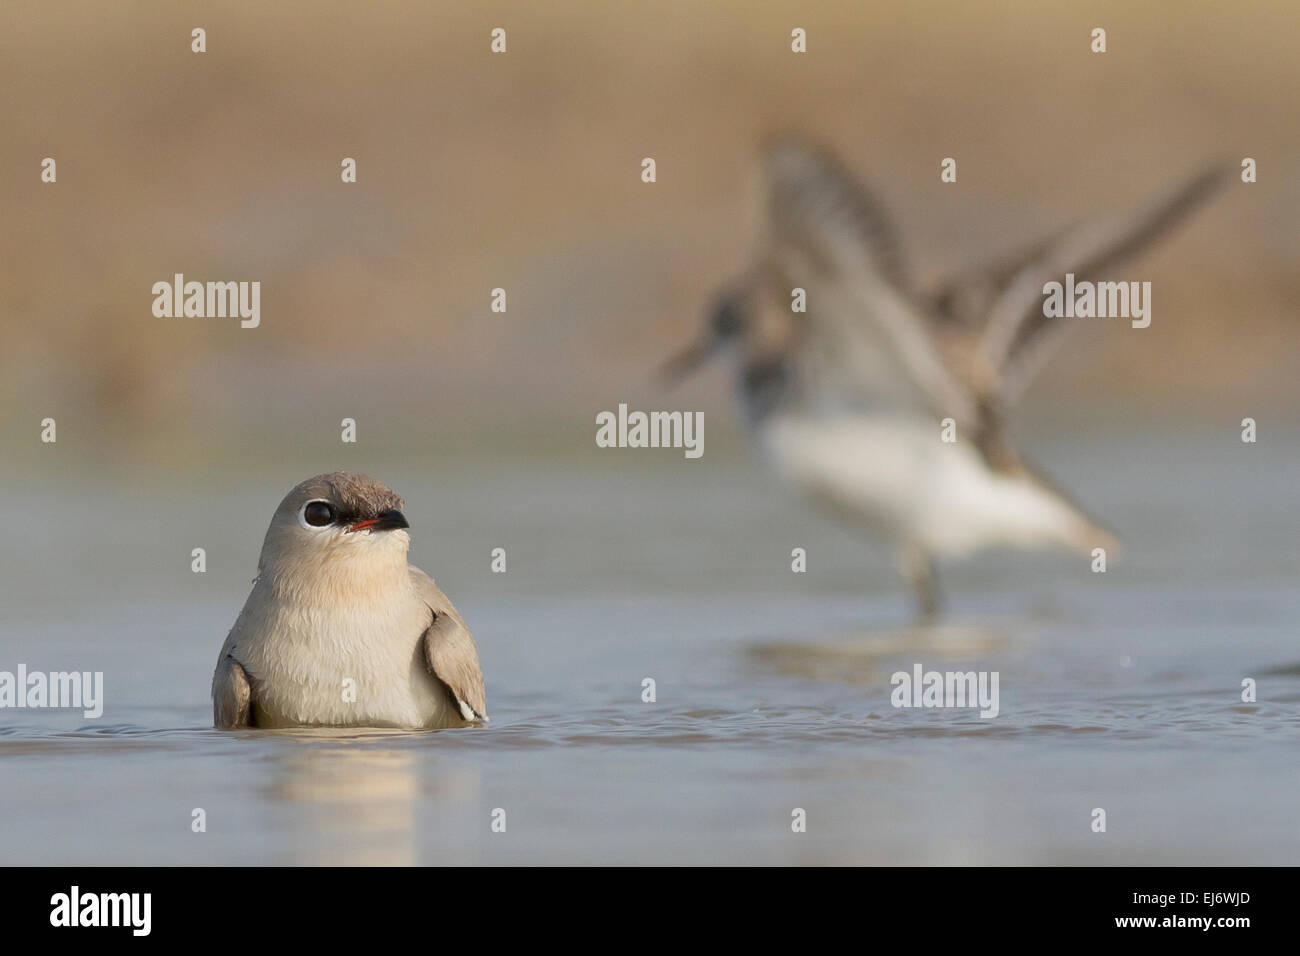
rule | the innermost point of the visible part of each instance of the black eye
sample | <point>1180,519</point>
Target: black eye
<point>318,514</point>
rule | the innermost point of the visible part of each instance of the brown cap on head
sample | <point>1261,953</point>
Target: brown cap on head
<point>338,501</point>
<point>338,518</point>
<point>357,497</point>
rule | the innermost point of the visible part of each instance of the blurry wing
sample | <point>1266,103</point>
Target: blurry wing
<point>450,652</point>
<point>813,198</point>
<point>1017,338</point>
<point>826,235</point>
<point>232,695</point>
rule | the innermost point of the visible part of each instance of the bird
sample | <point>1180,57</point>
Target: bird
<point>338,630</point>
<point>848,399</point>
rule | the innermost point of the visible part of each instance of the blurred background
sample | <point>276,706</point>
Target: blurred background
<point>522,171</point>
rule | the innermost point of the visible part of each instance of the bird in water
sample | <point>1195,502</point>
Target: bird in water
<point>339,630</point>
<point>851,399</point>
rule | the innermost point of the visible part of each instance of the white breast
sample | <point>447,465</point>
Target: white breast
<point>345,665</point>
<point>896,478</point>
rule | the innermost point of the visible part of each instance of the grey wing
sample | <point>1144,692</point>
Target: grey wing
<point>824,233</point>
<point>232,695</point>
<point>812,197</point>
<point>1016,337</point>
<point>450,651</point>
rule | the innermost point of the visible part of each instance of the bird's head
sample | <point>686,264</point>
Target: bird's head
<point>341,526</point>
<point>724,329</point>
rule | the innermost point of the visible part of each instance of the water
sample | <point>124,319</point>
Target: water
<point>1119,691</point>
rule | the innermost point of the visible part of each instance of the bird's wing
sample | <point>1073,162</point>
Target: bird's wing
<point>450,652</point>
<point>811,194</point>
<point>1005,302</point>
<point>823,233</point>
<point>232,695</point>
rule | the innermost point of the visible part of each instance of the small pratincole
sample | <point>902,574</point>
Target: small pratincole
<point>848,397</point>
<point>339,631</point>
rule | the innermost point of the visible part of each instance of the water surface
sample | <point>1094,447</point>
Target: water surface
<point>1118,691</point>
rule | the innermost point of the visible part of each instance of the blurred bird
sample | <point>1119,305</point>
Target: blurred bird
<point>339,631</point>
<point>846,399</point>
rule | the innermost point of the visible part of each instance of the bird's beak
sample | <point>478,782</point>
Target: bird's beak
<point>389,520</point>
<point>688,360</point>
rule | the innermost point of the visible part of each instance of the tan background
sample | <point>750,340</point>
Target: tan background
<point>522,171</point>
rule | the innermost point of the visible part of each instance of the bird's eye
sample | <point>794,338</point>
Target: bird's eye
<point>318,513</point>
